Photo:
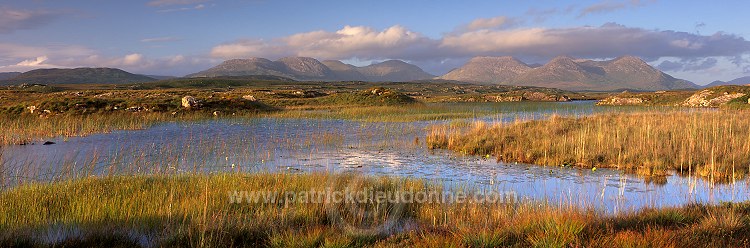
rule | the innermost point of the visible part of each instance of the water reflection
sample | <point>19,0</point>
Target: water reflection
<point>303,145</point>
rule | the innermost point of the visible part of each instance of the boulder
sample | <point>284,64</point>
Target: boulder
<point>379,91</point>
<point>724,99</point>
<point>698,99</point>
<point>249,98</point>
<point>135,109</point>
<point>543,97</point>
<point>108,94</point>
<point>503,98</point>
<point>617,101</point>
<point>189,102</point>
<point>703,99</point>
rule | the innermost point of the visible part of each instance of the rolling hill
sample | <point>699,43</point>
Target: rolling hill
<point>8,75</point>
<point>77,76</point>
<point>737,81</point>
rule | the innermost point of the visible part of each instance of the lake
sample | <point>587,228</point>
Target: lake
<point>371,148</point>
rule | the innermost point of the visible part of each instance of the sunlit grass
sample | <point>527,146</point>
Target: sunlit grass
<point>712,144</point>
<point>195,211</point>
<point>23,129</point>
<point>404,113</point>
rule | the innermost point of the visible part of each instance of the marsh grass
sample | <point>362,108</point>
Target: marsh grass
<point>23,129</point>
<point>407,113</point>
<point>195,211</point>
<point>710,144</point>
<point>26,116</point>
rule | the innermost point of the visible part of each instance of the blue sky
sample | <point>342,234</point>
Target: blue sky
<point>695,40</point>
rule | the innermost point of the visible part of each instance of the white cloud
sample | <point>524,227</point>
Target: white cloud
<point>349,42</point>
<point>491,23</point>
<point>249,48</point>
<point>606,41</point>
<point>29,64</point>
<point>19,57</point>
<point>132,59</point>
<point>16,19</point>
<point>20,51</point>
<point>159,3</point>
<point>35,62</point>
<point>196,7</point>
<point>160,39</point>
<point>611,6</point>
<point>697,64</point>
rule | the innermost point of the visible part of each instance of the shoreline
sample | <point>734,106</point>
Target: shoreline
<point>195,210</point>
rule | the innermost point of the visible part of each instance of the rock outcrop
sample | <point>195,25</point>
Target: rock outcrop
<point>620,101</point>
<point>249,98</point>
<point>189,102</point>
<point>707,98</point>
<point>526,96</point>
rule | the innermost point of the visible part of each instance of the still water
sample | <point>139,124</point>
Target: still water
<point>372,148</point>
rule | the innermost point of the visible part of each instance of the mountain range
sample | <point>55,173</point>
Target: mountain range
<point>8,75</point>
<point>304,68</point>
<point>77,76</point>
<point>737,81</point>
<point>567,73</point>
<point>562,72</point>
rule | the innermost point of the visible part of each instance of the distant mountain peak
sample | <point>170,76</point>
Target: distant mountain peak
<point>565,72</point>
<point>256,59</point>
<point>306,68</point>
<point>392,62</point>
<point>562,57</point>
<point>737,81</point>
<point>486,69</point>
<point>629,58</point>
<point>394,70</point>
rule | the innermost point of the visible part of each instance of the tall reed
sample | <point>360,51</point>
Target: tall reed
<point>713,144</point>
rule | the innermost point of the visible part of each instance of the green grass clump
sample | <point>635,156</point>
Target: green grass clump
<point>377,96</point>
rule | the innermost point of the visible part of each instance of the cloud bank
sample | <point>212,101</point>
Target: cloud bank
<point>23,58</point>
<point>483,38</point>
<point>611,6</point>
<point>160,3</point>
<point>17,19</point>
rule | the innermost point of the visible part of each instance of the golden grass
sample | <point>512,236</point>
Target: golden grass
<point>195,211</point>
<point>712,144</point>
<point>406,113</point>
<point>27,128</point>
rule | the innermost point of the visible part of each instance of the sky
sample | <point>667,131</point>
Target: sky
<point>700,41</point>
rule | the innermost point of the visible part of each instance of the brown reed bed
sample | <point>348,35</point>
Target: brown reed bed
<point>711,144</point>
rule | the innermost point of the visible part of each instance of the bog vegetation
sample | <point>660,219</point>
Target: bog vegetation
<point>712,144</point>
<point>196,211</point>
